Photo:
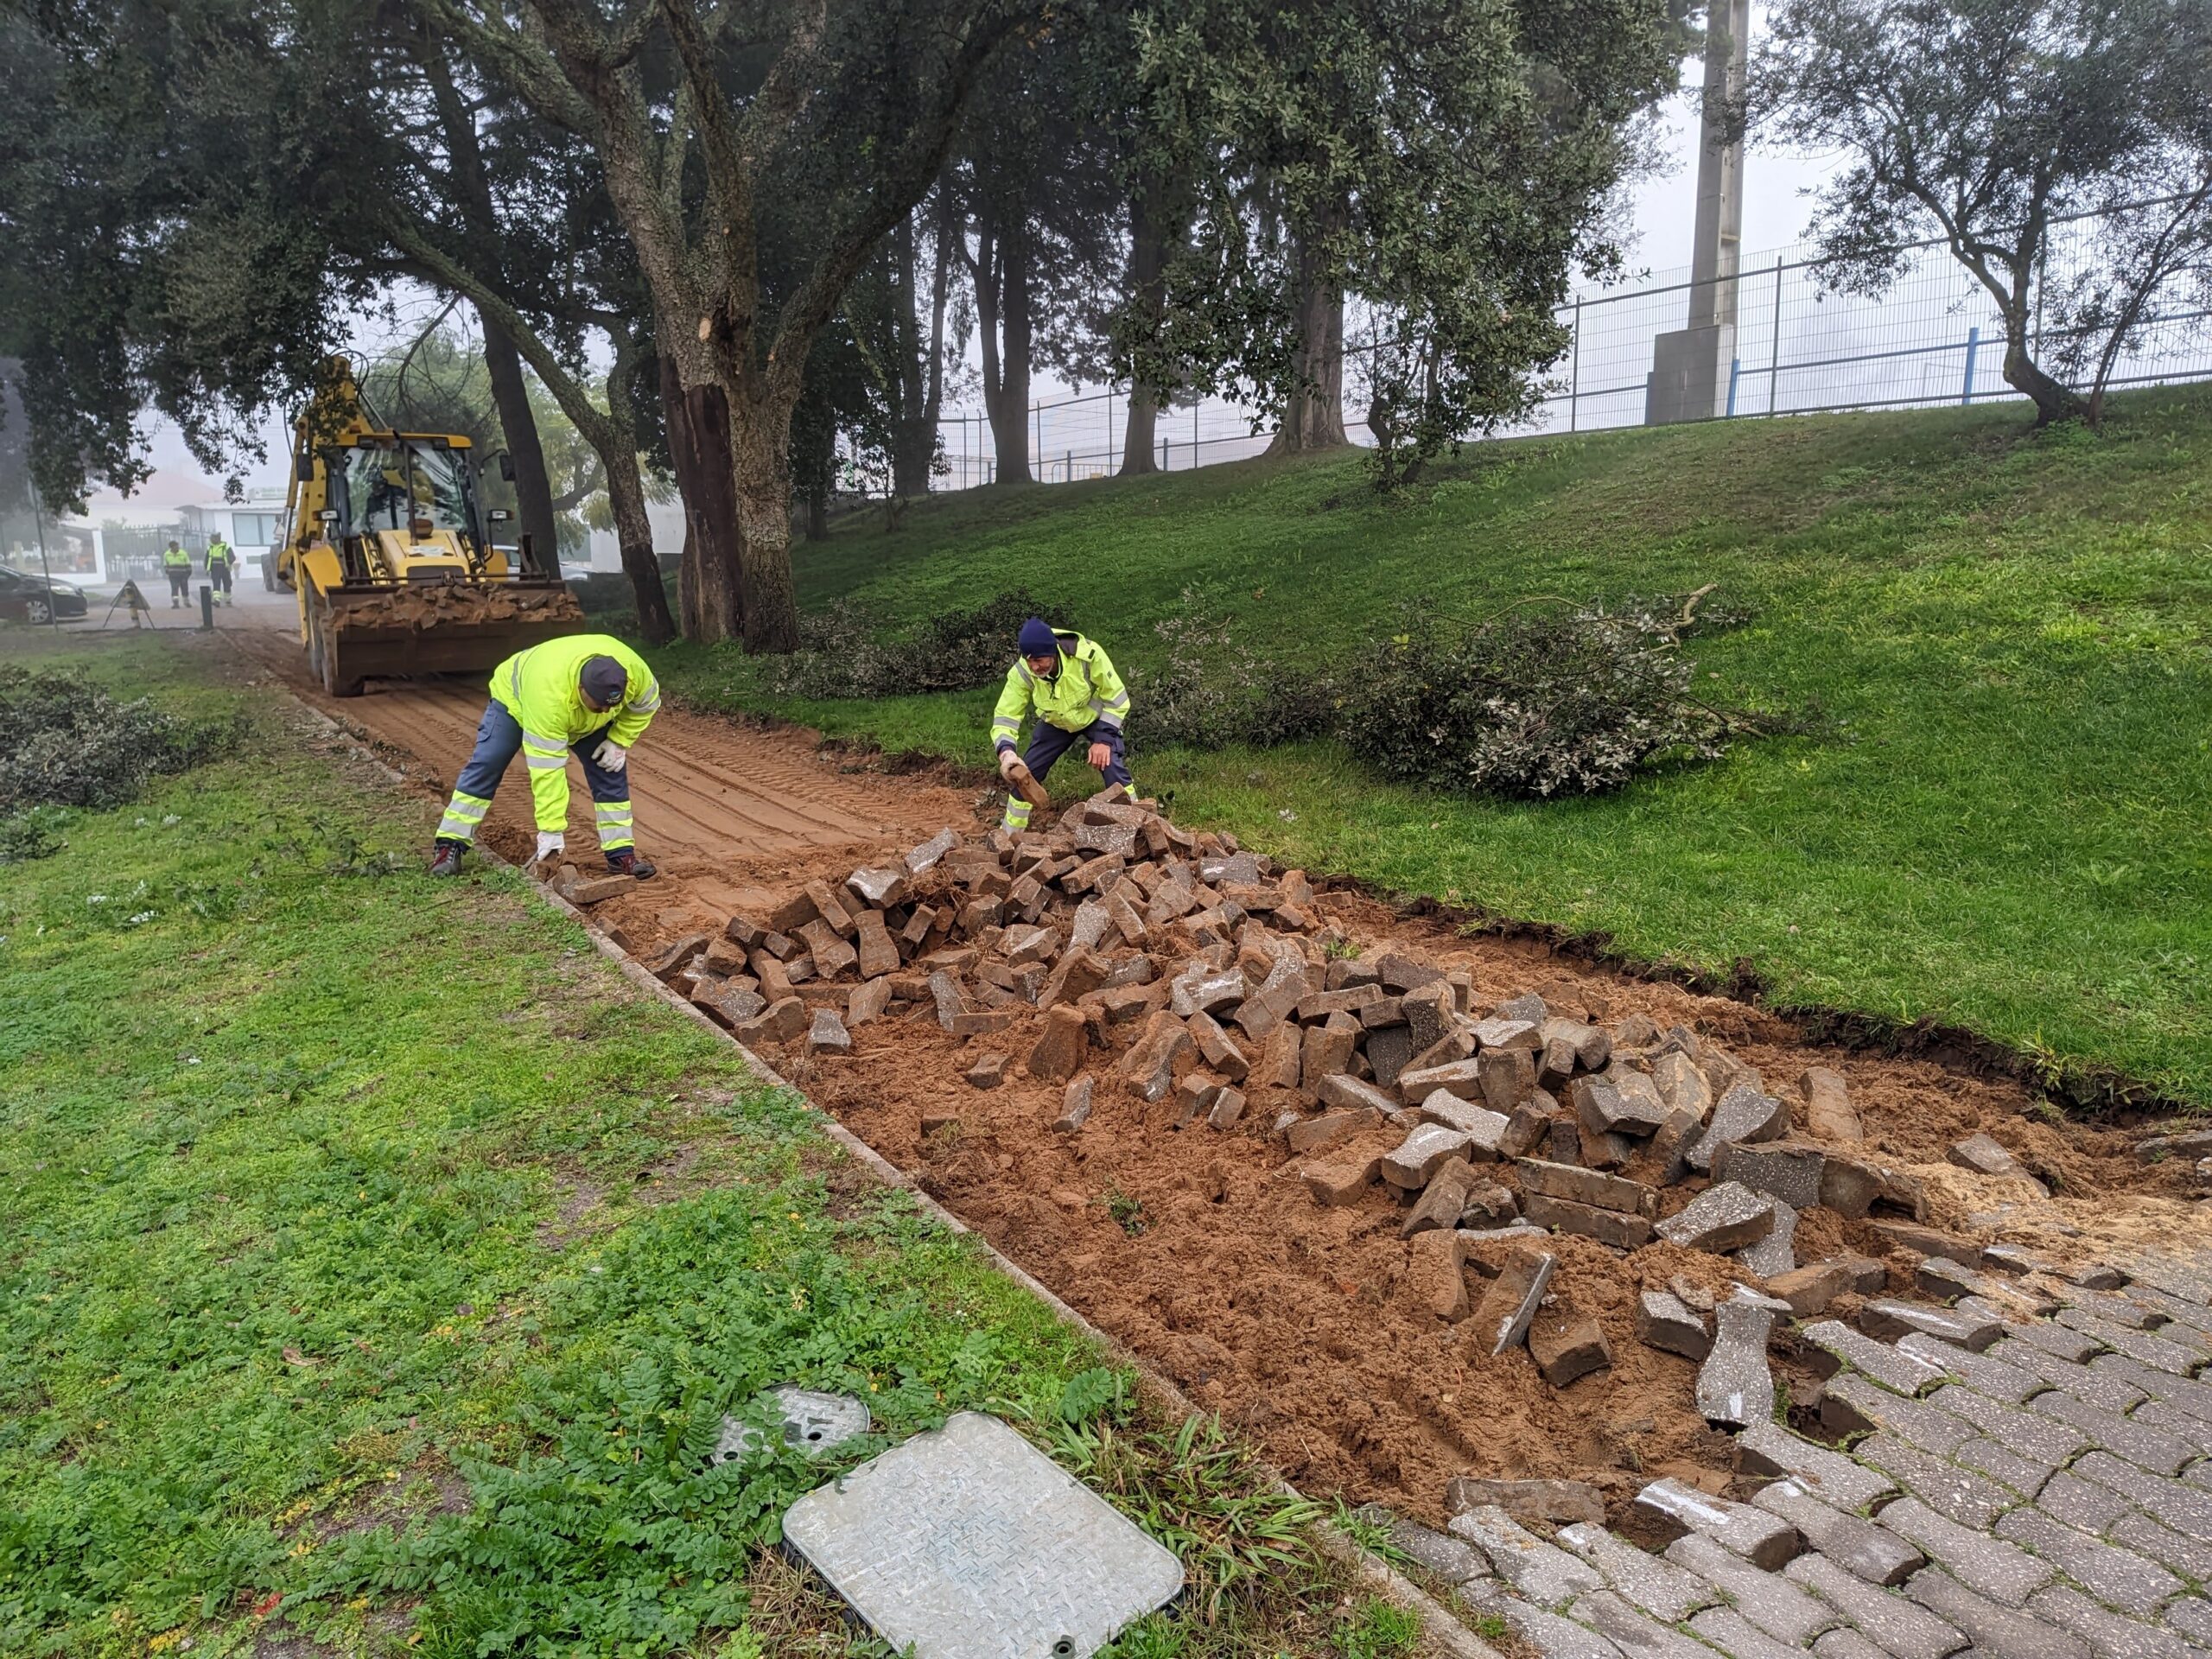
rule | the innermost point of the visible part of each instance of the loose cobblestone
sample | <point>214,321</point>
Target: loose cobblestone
<point>1953,1493</point>
<point>2146,1447</point>
<point>2134,1376</point>
<point>1986,1565</point>
<point>2091,1383</point>
<point>1737,1636</point>
<point>1900,1628</point>
<point>2057,1340</point>
<point>1632,1632</point>
<point>1983,1373</point>
<point>2106,1571</point>
<point>2180,1507</point>
<point>2109,1634</point>
<point>1764,1540</point>
<point>2191,1557</point>
<point>2153,1350</point>
<point>1900,1373</point>
<point>1670,1593</point>
<point>1768,1448</point>
<point>1860,1405</point>
<point>2031,1433</point>
<point>1777,1606</point>
<point>1998,1631</point>
<point>1859,1545</point>
<point>2009,1469</point>
<point>1543,1573</point>
<point>2066,1497</point>
<point>1549,1635</point>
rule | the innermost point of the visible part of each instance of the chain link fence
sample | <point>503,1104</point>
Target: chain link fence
<point>1933,337</point>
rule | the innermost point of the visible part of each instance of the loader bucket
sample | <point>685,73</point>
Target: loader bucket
<point>386,630</point>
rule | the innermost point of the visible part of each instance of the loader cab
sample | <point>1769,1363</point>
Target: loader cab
<point>407,509</point>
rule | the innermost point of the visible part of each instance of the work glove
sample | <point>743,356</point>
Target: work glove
<point>1006,762</point>
<point>611,756</point>
<point>548,846</point>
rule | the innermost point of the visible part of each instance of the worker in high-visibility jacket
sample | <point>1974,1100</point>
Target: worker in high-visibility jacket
<point>589,696</point>
<point>1069,684</point>
<point>222,562</point>
<point>177,565</point>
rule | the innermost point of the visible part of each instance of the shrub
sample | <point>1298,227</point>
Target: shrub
<point>65,742</point>
<point>1213,690</point>
<point>849,651</point>
<point>1535,702</point>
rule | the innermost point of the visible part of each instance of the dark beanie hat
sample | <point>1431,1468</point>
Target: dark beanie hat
<point>604,681</point>
<point>1037,638</point>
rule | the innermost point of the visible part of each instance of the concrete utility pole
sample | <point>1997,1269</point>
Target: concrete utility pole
<point>1690,367</point>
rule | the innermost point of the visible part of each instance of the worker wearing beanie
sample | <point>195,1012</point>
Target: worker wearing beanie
<point>589,695</point>
<point>1069,684</point>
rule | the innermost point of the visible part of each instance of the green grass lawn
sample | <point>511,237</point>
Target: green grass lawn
<point>376,1263</point>
<point>1997,816</point>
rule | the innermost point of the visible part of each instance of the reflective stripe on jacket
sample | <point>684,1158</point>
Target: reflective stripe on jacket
<point>1086,688</point>
<point>541,688</point>
<point>219,552</point>
<point>174,557</point>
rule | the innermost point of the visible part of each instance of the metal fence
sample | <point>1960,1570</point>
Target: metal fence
<point>1933,337</point>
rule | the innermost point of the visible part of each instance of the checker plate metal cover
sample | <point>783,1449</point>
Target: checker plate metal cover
<point>970,1543</point>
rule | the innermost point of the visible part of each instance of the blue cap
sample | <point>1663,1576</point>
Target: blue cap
<point>1037,639</point>
<point>604,681</point>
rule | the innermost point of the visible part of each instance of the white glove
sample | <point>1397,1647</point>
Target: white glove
<point>548,845</point>
<point>611,756</point>
<point>1008,759</point>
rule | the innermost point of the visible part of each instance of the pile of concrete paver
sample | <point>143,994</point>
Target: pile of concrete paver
<point>2032,1477</point>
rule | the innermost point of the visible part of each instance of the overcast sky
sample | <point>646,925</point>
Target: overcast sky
<point>1774,213</point>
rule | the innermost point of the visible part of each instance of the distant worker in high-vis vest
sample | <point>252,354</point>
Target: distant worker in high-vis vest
<point>177,565</point>
<point>221,563</point>
<point>1069,684</point>
<point>589,696</point>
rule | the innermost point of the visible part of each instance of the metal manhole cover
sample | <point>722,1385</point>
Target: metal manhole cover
<point>970,1543</point>
<point>813,1421</point>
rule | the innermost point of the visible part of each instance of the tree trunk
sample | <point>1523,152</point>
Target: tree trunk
<point>2054,400</point>
<point>1313,401</point>
<point>1148,300</point>
<point>913,441</point>
<point>634,534</point>
<point>762,479</point>
<point>1006,350</point>
<point>518,426</point>
<point>714,550</point>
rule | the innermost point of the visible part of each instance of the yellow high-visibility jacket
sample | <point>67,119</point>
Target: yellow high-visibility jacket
<point>543,688</point>
<point>175,558</point>
<point>1086,688</point>
<point>219,552</point>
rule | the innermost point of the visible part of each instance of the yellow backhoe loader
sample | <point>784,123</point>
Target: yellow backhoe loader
<point>386,544</point>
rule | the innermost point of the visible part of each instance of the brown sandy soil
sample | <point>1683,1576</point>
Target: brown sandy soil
<point>1284,1315</point>
<point>731,814</point>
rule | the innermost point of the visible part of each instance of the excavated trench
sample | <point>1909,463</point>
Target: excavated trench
<point>1308,1324</point>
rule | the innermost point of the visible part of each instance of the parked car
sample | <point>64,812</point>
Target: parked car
<point>27,597</point>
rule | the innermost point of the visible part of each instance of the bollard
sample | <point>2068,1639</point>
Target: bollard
<point>207,608</point>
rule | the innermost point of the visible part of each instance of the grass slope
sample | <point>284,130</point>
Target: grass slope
<point>1999,817</point>
<point>376,1263</point>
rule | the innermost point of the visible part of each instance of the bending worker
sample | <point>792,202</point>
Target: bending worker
<point>589,696</point>
<point>221,563</point>
<point>1071,685</point>
<point>177,565</point>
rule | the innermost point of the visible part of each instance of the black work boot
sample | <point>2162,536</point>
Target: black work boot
<point>625,861</point>
<point>445,858</point>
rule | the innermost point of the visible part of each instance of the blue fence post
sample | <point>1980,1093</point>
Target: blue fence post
<point>1735,368</point>
<point>1974,345</point>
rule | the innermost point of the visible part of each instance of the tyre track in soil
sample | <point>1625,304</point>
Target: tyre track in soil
<point>726,810</point>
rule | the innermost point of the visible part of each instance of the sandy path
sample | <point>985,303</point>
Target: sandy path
<point>723,808</point>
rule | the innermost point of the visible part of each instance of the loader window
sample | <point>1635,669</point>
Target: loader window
<point>386,486</point>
